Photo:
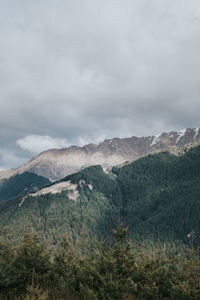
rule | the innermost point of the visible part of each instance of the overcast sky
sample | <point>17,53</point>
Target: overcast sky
<point>79,71</point>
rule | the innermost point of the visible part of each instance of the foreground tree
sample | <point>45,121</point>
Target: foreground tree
<point>31,264</point>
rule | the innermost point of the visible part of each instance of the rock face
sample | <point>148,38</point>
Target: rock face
<point>56,164</point>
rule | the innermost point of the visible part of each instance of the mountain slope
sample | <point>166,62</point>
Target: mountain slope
<point>19,183</point>
<point>54,215</point>
<point>56,164</point>
<point>160,195</point>
<point>157,195</point>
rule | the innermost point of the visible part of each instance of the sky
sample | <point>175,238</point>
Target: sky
<point>79,71</point>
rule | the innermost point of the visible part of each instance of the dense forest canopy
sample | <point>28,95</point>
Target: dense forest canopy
<point>155,196</point>
<point>70,250</point>
<point>110,271</point>
<point>20,183</point>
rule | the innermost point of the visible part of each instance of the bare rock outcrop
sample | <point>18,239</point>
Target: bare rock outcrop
<point>58,163</point>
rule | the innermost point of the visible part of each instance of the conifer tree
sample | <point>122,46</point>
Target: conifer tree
<point>116,268</point>
<point>31,264</point>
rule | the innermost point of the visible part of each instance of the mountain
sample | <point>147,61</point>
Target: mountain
<point>69,207</point>
<point>160,196</point>
<point>56,164</point>
<point>156,196</point>
<point>20,183</point>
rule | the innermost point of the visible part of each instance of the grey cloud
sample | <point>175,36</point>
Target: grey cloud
<point>38,143</point>
<point>83,70</point>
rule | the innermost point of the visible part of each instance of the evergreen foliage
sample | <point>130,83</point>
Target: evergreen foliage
<point>157,197</point>
<point>161,195</point>
<point>113,271</point>
<point>20,183</point>
<point>94,175</point>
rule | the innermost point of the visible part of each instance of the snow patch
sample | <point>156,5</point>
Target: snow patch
<point>196,133</point>
<point>181,133</point>
<point>156,139</point>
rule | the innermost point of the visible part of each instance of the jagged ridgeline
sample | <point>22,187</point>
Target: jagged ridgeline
<point>55,164</point>
<point>155,196</point>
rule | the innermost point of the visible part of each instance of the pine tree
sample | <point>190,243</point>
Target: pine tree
<point>116,268</point>
<point>31,264</point>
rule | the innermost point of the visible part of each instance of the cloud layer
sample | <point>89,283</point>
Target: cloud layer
<point>74,71</point>
<point>38,143</point>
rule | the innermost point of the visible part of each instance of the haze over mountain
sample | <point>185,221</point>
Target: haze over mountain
<point>58,163</point>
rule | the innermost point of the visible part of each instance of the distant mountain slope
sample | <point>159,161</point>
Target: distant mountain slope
<point>56,164</point>
<point>17,184</point>
<point>160,195</point>
<point>157,195</point>
<point>90,214</point>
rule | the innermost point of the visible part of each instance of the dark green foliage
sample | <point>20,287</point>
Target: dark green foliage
<point>20,183</point>
<point>115,271</point>
<point>31,263</point>
<point>95,176</point>
<point>55,215</point>
<point>157,196</point>
<point>115,267</point>
<point>23,266</point>
<point>7,254</point>
<point>161,195</point>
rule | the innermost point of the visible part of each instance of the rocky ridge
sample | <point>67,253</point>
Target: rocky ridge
<point>58,163</point>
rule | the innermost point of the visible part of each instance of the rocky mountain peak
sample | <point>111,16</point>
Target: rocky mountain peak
<point>58,163</point>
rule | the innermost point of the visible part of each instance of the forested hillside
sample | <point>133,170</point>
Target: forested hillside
<point>56,215</point>
<point>19,183</point>
<point>157,196</point>
<point>161,195</point>
<point>69,251</point>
